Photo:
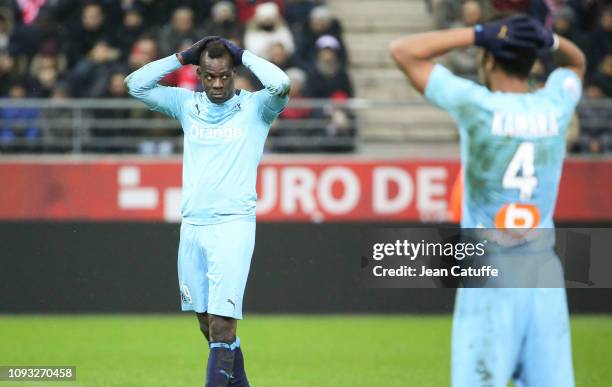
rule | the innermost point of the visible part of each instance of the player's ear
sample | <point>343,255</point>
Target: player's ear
<point>199,71</point>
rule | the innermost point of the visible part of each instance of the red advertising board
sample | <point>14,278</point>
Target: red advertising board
<point>289,189</point>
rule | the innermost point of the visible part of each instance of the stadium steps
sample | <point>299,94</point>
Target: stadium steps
<point>369,26</point>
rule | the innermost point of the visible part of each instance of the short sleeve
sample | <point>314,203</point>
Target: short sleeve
<point>452,93</point>
<point>565,87</point>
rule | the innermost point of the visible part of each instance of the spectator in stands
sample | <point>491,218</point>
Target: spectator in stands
<point>17,122</point>
<point>143,52</point>
<point>159,12</point>
<point>564,24</point>
<point>92,73</point>
<point>27,39</point>
<point>9,73</point>
<point>595,118</point>
<point>603,76</point>
<point>266,29</point>
<point>246,9</point>
<point>298,92</point>
<point>115,89</point>
<point>340,130</point>
<point>465,62</point>
<point>443,12</point>
<point>91,30</point>
<point>243,80</point>
<point>45,69</point>
<point>587,12</point>
<point>224,22</point>
<point>5,32</point>
<point>328,77</point>
<point>321,22</point>
<point>601,41</point>
<point>58,121</point>
<point>182,28</point>
<point>291,133</point>
<point>184,76</point>
<point>280,57</point>
<point>297,13</point>
<point>43,82</point>
<point>448,12</point>
<point>131,29</point>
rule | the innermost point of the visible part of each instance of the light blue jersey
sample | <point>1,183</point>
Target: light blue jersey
<point>223,143</point>
<point>512,146</point>
<point>512,150</point>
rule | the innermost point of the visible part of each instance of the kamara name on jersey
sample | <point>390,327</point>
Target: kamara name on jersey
<point>517,124</point>
<point>224,134</point>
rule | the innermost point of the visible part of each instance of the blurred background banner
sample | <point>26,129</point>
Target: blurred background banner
<point>304,189</point>
<point>120,267</point>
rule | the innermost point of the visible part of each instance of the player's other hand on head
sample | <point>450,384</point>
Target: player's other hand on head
<point>234,50</point>
<point>503,37</point>
<point>192,54</point>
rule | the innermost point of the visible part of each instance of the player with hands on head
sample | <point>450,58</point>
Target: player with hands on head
<point>224,134</point>
<point>512,149</point>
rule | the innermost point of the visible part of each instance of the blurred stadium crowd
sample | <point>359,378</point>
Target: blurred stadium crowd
<point>61,49</point>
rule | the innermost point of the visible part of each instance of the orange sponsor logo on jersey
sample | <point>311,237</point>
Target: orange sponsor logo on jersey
<point>514,215</point>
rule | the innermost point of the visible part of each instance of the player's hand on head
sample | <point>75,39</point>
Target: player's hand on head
<point>234,50</point>
<point>545,35</point>
<point>503,37</point>
<point>192,54</point>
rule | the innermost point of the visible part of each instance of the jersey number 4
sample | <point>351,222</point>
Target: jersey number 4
<point>520,175</point>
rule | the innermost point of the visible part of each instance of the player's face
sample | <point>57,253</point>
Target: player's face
<point>217,76</point>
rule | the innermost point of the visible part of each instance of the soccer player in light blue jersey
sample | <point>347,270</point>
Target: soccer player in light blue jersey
<point>512,151</point>
<point>224,134</point>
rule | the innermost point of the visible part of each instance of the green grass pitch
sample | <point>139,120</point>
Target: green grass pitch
<point>283,351</point>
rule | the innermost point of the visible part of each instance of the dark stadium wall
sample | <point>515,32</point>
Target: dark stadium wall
<point>131,267</point>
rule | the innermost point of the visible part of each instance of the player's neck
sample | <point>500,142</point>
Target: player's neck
<point>506,84</point>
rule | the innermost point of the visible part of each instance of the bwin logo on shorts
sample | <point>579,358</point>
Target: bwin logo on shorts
<point>185,295</point>
<point>223,134</point>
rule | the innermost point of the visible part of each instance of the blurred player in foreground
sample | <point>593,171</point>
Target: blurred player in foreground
<point>224,134</point>
<point>512,146</point>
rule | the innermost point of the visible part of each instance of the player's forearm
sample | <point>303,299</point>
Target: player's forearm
<point>430,45</point>
<point>570,56</point>
<point>414,54</point>
<point>273,78</point>
<point>144,79</point>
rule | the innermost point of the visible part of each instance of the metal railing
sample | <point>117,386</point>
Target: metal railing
<point>127,126</point>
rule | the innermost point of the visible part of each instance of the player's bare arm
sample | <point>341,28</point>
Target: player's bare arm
<point>570,56</point>
<point>415,54</point>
